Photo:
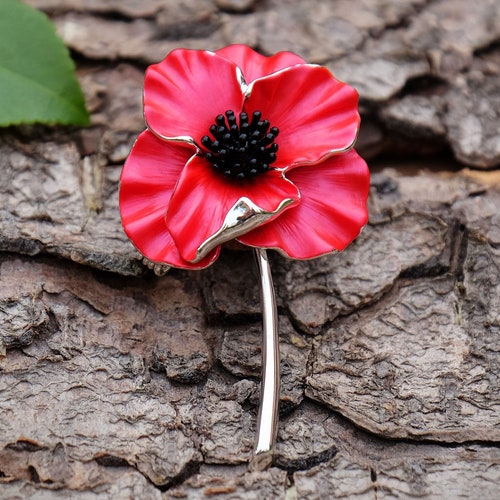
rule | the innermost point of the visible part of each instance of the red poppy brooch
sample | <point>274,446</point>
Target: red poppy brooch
<point>240,146</point>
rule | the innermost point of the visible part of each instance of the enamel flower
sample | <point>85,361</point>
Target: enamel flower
<point>246,147</point>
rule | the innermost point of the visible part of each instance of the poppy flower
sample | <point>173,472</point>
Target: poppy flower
<point>243,146</point>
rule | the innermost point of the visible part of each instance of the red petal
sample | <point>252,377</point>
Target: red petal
<point>315,113</point>
<point>203,199</point>
<point>186,91</point>
<point>255,65</point>
<point>331,212</point>
<point>147,181</point>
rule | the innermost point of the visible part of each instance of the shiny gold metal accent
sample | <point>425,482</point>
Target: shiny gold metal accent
<point>267,420</point>
<point>242,217</point>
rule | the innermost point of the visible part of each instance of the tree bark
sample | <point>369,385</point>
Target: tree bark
<point>116,382</point>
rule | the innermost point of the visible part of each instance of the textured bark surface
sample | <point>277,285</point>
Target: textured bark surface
<point>117,383</point>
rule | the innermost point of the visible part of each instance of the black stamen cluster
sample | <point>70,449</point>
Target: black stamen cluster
<point>241,151</point>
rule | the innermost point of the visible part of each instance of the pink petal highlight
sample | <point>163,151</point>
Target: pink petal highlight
<point>147,182</point>
<point>186,91</point>
<point>315,113</point>
<point>255,65</point>
<point>203,198</point>
<point>331,212</point>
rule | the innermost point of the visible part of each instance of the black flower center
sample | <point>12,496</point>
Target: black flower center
<point>241,151</point>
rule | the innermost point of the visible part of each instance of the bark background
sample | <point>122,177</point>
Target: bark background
<point>117,383</point>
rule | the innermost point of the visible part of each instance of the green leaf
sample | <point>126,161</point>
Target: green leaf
<point>37,75</point>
